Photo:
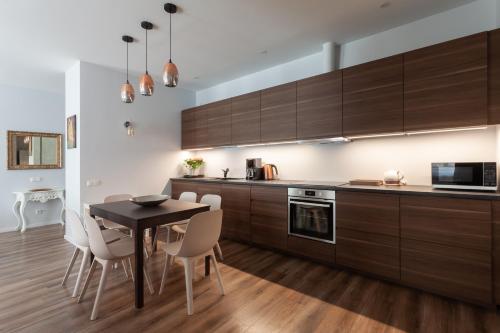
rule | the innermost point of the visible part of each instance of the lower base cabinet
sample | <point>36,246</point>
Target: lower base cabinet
<point>236,207</point>
<point>496,249</point>
<point>318,251</point>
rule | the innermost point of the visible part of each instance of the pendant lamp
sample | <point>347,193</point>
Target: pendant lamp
<point>146,83</point>
<point>127,91</point>
<point>170,72</point>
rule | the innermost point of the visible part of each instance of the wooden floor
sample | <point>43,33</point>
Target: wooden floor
<point>266,292</point>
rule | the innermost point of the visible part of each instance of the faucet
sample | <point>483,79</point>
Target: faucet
<point>225,171</point>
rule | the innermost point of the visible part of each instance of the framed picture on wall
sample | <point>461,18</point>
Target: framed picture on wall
<point>71,132</point>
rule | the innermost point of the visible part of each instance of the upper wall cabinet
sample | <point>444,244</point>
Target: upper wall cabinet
<point>373,97</point>
<point>446,84</point>
<point>218,123</point>
<point>494,77</point>
<point>278,117</point>
<point>319,106</point>
<point>245,119</point>
<point>201,130</point>
<point>188,128</point>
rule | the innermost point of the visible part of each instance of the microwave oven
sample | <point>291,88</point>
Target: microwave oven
<point>480,176</point>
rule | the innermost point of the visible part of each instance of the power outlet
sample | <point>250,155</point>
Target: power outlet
<point>35,179</point>
<point>39,211</point>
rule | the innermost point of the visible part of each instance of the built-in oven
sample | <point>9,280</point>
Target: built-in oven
<point>311,214</point>
<point>466,176</point>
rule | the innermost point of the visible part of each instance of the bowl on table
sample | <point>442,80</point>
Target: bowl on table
<point>150,200</point>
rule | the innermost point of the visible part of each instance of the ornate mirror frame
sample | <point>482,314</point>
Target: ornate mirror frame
<point>11,165</point>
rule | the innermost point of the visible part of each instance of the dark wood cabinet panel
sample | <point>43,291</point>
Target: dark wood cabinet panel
<point>218,123</point>
<point>188,128</point>
<point>445,85</point>
<point>201,129</point>
<point>373,97</point>
<point>181,186</point>
<point>269,216</point>
<point>496,249</point>
<point>462,223</point>
<point>204,188</point>
<point>368,233</point>
<point>236,206</point>
<point>494,77</point>
<point>451,271</point>
<point>318,251</point>
<point>278,117</point>
<point>245,119</point>
<point>368,212</point>
<point>319,106</point>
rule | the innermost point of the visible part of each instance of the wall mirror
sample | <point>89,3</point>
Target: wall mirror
<point>32,150</point>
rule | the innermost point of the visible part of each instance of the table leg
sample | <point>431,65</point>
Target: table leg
<point>139,264</point>
<point>23,218</point>
<point>207,265</point>
<point>63,208</point>
<point>15,209</point>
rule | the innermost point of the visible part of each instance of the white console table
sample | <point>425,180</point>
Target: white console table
<point>22,198</point>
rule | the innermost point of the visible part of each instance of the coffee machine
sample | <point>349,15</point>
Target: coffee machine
<point>254,169</point>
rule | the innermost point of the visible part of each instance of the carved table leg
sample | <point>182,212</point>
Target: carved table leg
<point>63,208</point>
<point>23,218</point>
<point>15,208</point>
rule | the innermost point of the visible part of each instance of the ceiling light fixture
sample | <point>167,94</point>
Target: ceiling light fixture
<point>170,72</point>
<point>146,83</point>
<point>127,91</point>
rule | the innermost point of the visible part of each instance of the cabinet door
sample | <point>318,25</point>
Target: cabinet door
<point>279,113</point>
<point>494,77</point>
<point>496,249</point>
<point>179,186</point>
<point>218,123</point>
<point>201,129</point>
<point>236,206</point>
<point>373,97</point>
<point>188,129</point>
<point>446,84</point>
<point>446,246</point>
<point>205,188</point>
<point>312,249</point>
<point>368,233</point>
<point>245,119</point>
<point>269,216</point>
<point>319,106</point>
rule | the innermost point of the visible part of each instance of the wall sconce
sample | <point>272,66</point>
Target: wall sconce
<point>130,128</point>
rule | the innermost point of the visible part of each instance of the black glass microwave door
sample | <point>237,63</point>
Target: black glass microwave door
<point>312,221</point>
<point>470,174</point>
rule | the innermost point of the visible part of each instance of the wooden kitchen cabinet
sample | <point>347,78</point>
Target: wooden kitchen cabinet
<point>218,123</point>
<point>179,186</point>
<point>245,119</point>
<point>445,85</point>
<point>368,233</point>
<point>319,106</point>
<point>188,128</point>
<point>201,129</point>
<point>494,77</point>
<point>206,188</point>
<point>278,117</point>
<point>446,246</point>
<point>373,97</point>
<point>236,207</point>
<point>269,216</point>
<point>311,249</point>
<point>496,250</point>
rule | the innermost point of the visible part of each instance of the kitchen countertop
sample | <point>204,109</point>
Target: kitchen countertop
<point>344,186</point>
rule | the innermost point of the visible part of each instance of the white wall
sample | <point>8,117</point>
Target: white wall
<point>371,157</point>
<point>141,164</point>
<point>28,110</point>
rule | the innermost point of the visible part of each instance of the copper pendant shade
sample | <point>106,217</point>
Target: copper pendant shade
<point>170,71</point>
<point>146,83</point>
<point>127,90</point>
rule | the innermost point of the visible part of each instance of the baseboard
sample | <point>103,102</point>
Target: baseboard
<point>29,226</point>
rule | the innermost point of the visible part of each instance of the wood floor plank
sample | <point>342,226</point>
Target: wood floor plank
<point>265,292</point>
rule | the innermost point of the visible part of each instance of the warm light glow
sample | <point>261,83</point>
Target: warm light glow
<point>473,128</point>
<point>375,135</point>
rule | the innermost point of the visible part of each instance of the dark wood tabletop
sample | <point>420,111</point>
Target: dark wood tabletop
<point>138,219</point>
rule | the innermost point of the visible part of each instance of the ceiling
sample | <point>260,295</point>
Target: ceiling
<point>213,40</point>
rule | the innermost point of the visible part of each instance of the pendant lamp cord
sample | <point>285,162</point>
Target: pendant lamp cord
<point>127,62</point>
<point>170,37</point>
<point>146,51</point>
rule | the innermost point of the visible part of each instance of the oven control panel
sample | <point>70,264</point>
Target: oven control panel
<point>311,193</point>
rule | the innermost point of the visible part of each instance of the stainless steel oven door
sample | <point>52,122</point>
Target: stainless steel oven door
<point>313,219</point>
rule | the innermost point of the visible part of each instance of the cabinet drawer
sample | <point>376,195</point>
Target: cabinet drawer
<point>269,231</point>
<point>271,194</point>
<point>319,251</point>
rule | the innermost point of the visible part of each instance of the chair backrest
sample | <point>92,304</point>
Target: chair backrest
<point>74,231</point>
<point>202,233</point>
<point>97,243</point>
<point>211,199</point>
<point>188,196</point>
<point>113,198</point>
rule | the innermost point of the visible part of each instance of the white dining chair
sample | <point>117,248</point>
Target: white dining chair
<point>106,255</point>
<point>110,224</point>
<point>214,201</point>
<point>185,196</point>
<point>202,233</point>
<point>76,235</point>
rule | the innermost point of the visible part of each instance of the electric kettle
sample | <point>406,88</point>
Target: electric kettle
<point>269,173</point>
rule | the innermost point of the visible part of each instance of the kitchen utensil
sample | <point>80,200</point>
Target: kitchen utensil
<point>366,182</point>
<point>269,173</point>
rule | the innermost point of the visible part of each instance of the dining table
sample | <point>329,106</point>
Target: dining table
<point>139,218</point>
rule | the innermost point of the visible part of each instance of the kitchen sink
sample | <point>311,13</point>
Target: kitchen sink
<point>228,178</point>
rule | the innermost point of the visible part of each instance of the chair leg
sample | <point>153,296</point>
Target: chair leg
<point>165,273</point>
<point>219,278</point>
<point>189,284</point>
<point>102,284</point>
<point>131,269</point>
<point>219,251</point>
<point>86,255</point>
<point>70,266</point>
<point>124,265</point>
<point>155,239</point>
<point>148,281</point>
<point>87,280</point>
